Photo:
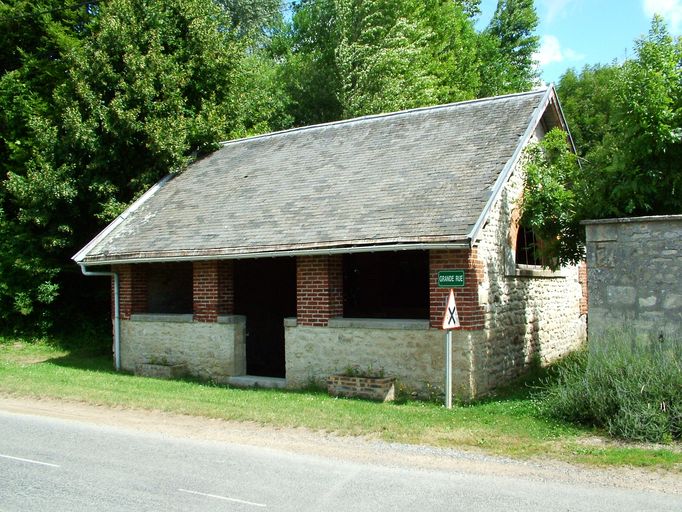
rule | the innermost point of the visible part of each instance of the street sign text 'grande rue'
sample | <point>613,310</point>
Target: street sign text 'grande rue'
<point>450,278</point>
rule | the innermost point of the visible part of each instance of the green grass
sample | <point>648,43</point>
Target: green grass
<point>508,424</point>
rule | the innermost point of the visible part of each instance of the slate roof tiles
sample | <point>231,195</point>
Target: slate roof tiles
<point>423,175</point>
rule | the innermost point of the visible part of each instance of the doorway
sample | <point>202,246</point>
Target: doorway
<point>265,292</point>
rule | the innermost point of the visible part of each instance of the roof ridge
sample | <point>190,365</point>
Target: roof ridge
<point>372,117</point>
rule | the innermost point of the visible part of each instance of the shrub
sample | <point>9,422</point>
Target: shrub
<point>631,386</point>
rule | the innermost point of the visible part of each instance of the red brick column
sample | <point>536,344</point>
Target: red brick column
<point>212,290</point>
<point>582,279</point>
<point>319,289</point>
<point>469,309</point>
<point>132,281</point>
<point>226,287</point>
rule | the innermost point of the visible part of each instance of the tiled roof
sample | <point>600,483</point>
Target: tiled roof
<point>419,176</point>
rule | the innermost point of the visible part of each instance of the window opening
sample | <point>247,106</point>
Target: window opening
<point>386,285</point>
<point>169,288</point>
<point>528,247</point>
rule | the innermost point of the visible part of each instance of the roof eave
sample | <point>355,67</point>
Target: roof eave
<point>83,253</point>
<point>463,244</point>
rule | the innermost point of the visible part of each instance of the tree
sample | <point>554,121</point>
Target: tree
<point>552,202</point>
<point>382,57</point>
<point>646,142</point>
<point>310,71</point>
<point>34,39</point>
<point>350,58</point>
<point>507,46</point>
<point>588,102</point>
<point>152,86</point>
<point>631,165</point>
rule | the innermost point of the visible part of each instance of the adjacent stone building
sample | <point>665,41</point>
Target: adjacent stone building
<point>634,273</point>
<point>297,254</point>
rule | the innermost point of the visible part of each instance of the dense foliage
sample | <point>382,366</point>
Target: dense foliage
<point>627,123</point>
<point>98,100</point>
<point>630,387</point>
<point>347,58</point>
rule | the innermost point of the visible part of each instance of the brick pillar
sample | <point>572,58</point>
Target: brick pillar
<point>132,280</point>
<point>212,290</point>
<point>226,287</point>
<point>469,309</point>
<point>582,279</point>
<point>319,289</point>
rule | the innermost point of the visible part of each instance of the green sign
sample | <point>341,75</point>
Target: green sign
<point>450,278</point>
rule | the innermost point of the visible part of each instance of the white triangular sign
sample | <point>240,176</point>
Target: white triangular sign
<point>451,320</point>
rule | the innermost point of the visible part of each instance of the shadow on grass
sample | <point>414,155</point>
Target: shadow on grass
<point>94,360</point>
<point>98,358</point>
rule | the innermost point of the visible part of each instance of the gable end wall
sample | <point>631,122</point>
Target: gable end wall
<point>527,319</point>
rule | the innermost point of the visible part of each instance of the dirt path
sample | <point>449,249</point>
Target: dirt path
<point>357,449</point>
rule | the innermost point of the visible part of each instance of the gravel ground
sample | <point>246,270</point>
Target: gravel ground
<point>358,449</point>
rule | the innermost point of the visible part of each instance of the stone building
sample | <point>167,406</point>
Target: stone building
<point>296,254</point>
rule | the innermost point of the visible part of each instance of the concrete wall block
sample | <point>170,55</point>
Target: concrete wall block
<point>208,350</point>
<point>621,295</point>
<point>415,358</point>
<point>641,289</point>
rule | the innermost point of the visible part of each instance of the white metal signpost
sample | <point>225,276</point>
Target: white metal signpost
<point>450,321</point>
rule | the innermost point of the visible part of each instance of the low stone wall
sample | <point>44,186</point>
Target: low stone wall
<point>634,268</point>
<point>408,350</point>
<point>208,350</point>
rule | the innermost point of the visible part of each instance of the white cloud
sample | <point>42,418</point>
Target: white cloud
<point>551,51</point>
<point>671,10</point>
<point>554,9</point>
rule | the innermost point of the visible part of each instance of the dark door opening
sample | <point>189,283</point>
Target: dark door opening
<point>265,292</point>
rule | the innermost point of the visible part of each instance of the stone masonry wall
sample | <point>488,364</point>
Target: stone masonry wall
<point>416,356</point>
<point>634,267</point>
<point>532,314</point>
<point>210,350</point>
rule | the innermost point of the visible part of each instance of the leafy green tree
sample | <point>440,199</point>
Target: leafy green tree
<point>645,144</point>
<point>310,71</point>
<point>552,201</point>
<point>507,46</point>
<point>588,101</point>
<point>631,164</point>
<point>34,39</point>
<point>381,56</point>
<point>348,57</point>
<point>149,86</point>
<point>452,49</point>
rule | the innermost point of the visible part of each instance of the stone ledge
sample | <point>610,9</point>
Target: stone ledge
<point>231,319</point>
<point>161,371</point>
<point>536,271</point>
<point>630,220</point>
<point>161,317</point>
<point>380,323</point>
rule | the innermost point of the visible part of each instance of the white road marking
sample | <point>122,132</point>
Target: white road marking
<point>224,498</point>
<point>30,461</point>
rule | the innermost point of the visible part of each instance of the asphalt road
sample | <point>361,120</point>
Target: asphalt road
<point>63,465</point>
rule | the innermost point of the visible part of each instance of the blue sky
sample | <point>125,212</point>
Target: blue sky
<point>576,33</point>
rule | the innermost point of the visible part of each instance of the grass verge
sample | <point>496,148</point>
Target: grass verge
<point>507,425</point>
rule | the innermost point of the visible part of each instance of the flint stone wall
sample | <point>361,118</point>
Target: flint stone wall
<point>214,351</point>
<point>531,314</point>
<point>410,351</point>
